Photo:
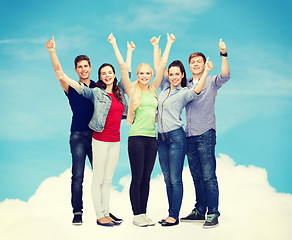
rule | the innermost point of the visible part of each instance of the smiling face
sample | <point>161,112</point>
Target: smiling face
<point>83,70</point>
<point>197,65</point>
<point>175,76</point>
<point>144,74</point>
<point>107,75</point>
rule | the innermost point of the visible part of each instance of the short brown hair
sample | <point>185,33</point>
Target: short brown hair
<point>81,58</point>
<point>197,54</point>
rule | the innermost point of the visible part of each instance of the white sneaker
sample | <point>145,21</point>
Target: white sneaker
<point>148,220</point>
<point>140,221</point>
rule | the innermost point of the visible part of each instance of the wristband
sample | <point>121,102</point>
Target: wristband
<point>223,54</point>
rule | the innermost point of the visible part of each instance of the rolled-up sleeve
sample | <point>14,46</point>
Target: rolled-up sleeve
<point>85,91</point>
<point>220,79</point>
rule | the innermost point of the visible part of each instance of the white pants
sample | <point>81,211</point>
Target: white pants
<point>105,159</point>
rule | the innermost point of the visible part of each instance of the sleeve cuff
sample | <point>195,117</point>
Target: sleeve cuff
<point>81,88</point>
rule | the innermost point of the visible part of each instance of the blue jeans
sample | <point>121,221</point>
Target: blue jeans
<point>202,164</point>
<point>80,145</point>
<point>172,151</point>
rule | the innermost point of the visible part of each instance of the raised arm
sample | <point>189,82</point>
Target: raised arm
<point>162,65</point>
<point>224,67</point>
<point>131,47</point>
<point>123,67</point>
<point>200,85</point>
<point>156,52</point>
<point>51,47</point>
<point>63,77</point>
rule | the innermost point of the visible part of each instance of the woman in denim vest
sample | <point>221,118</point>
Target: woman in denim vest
<point>110,107</point>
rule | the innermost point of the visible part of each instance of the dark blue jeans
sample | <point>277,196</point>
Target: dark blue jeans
<point>202,164</point>
<point>172,150</point>
<point>142,154</point>
<point>80,145</point>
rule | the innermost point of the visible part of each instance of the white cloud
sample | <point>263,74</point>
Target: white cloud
<point>158,14</point>
<point>250,209</point>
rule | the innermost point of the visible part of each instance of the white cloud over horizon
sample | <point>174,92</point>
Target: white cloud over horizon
<point>250,209</point>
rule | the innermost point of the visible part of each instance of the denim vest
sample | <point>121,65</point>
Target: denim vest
<point>102,102</point>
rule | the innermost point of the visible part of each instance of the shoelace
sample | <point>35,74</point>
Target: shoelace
<point>210,217</point>
<point>193,213</point>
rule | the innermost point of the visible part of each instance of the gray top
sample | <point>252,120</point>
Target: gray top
<point>170,106</point>
<point>200,114</point>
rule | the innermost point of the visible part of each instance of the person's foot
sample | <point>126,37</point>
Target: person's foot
<point>170,222</point>
<point>161,221</point>
<point>148,220</point>
<point>104,222</point>
<point>211,221</point>
<point>113,221</point>
<point>194,216</point>
<point>116,219</point>
<point>140,221</point>
<point>77,219</point>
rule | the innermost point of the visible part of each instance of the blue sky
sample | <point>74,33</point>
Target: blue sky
<point>253,109</point>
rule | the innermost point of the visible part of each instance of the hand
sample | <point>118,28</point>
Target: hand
<point>208,65</point>
<point>222,46</point>
<point>50,45</point>
<point>131,46</point>
<point>111,39</point>
<point>155,41</point>
<point>60,74</point>
<point>170,38</point>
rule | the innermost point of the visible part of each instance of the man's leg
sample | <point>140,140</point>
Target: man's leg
<point>206,150</point>
<point>193,154</point>
<point>198,213</point>
<point>78,146</point>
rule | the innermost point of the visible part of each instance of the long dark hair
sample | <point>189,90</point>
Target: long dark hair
<point>179,64</point>
<point>101,84</point>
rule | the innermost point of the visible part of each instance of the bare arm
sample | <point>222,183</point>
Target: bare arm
<point>131,47</point>
<point>51,47</point>
<point>224,67</point>
<point>63,77</point>
<point>156,52</point>
<point>200,85</point>
<point>123,68</point>
<point>162,65</point>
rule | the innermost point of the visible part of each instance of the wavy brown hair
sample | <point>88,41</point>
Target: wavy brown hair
<point>101,84</point>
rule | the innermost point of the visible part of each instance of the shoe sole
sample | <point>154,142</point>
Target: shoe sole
<point>151,224</point>
<point>193,221</point>
<point>77,224</point>
<point>213,226</point>
<point>119,221</point>
<point>139,225</point>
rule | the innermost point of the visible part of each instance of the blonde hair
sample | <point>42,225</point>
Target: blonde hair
<point>136,89</point>
<point>144,65</point>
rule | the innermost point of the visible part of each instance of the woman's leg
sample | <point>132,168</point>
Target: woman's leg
<point>100,155</point>
<point>136,151</point>
<point>149,161</point>
<point>111,163</point>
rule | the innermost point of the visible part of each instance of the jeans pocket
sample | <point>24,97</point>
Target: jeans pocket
<point>177,138</point>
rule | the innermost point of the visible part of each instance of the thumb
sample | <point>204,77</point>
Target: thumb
<point>53,38</point>
<point>220,40</point>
